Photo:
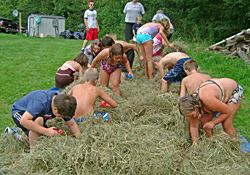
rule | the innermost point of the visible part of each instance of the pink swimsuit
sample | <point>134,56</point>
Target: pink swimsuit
<point>109,68</point>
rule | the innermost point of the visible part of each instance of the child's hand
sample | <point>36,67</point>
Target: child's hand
<point>171,45</point>
<point>104,104</point>
<point>50,132</point>
<point>209,125</point>
<point>141,58</point>
<point>130,75</point>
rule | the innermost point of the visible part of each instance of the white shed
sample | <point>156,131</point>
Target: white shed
<point>45,25</point>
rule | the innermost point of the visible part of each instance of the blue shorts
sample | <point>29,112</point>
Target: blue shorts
<point>176,74</point>
<point>142,38</point>
<point>103,115</point>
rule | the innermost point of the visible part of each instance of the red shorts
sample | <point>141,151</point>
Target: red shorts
<point>92,34</point>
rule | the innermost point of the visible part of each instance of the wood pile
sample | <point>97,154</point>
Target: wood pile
<point>236,46</point>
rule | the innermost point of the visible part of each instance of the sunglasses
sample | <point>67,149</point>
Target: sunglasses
<point>98,43</point>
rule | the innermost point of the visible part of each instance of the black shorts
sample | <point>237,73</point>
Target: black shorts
<point>128,31</point>
<point>130,56</point>
<point>17,117</point>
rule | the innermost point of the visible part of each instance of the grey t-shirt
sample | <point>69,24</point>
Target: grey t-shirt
<point>91,16</point>
<point>133,10</point>
<point>159,16</point>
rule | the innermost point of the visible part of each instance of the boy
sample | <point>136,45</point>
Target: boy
<point>135,27</point>
<point>86,95</point>
<point>31,112</point>
<point>129,49</point>
<point>91,23</point>
<point>193,79</point>
<point>174,62</point>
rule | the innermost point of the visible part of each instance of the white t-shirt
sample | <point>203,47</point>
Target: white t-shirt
<point>91,16</point>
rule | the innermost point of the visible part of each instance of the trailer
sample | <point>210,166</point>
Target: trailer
<point>45,25</point>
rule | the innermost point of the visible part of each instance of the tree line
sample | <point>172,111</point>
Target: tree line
<point>212,20</point>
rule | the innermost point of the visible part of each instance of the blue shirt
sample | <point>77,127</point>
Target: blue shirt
<point>37,103</point>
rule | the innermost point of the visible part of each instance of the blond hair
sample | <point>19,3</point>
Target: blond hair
<point>91,74</point>
<point>190,65</point>
<point>166,24</point>
<point>138,18</point>
<point>187,104</point>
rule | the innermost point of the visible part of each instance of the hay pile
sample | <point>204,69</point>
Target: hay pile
<point>146,136</point>
<point>179,46</point>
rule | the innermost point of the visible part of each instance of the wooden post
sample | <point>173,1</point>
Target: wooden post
<point>20,22</point>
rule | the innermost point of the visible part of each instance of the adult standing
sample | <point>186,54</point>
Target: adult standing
<point>159,15</point>
<point>132,10</point>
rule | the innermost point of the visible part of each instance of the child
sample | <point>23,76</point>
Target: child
<point>31,112</point>
<point>144,38</point>
<point>158,43</point>
<point>111,66</point>
<point>92,50</point>
<point>135,27</point>
<point>92,26</point>
<point>193,79</point>
<point>86,95</point>
<point>65,74</point>
<point>214,96</point>
<point>129,49</point>
<point>174,62</point>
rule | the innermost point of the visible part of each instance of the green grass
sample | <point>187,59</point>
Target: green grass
<point>28,64</point>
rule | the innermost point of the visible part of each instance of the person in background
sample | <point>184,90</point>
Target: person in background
<point>65,74</point>
<point>92,50</point>
<point>135,27</point>
<point>159,15</point>
<point>132,9</point>
<point>92,26</point>
<point>111,66</point>
<point>129,49</point>
<point>144,37</point>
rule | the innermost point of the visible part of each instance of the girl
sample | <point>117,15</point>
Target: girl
<point>65,74</point>
<point>111,66</point>
<point>214,96</point>
<point>144,38</point>
<point>92,50</point>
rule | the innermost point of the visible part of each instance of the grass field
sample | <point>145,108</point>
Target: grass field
<point>28,64</point>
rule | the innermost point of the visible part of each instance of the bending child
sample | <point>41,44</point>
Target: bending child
<point>92,50</point>
<point>144,38</point>
<point>222,96</point>
<point>31,112</point>
<point>65,74</point>
<point>174,62</point>
<point>129,49</point>
<point>193,79</point>
<point>86,95</point>
<point>111,60</point>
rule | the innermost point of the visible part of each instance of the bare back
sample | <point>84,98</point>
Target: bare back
<point>227,86</point>
<point>171,59</point>
<point>193,81</point>
<point>74,64</point>
<point>86,96</point>
<point>126,46</point>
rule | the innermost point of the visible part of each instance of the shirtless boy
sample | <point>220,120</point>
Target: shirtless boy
<point>193,79</point>
<point>174,62</point>
<point>222,96</point>
<point>129,49</point>
<point>86,95</point>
